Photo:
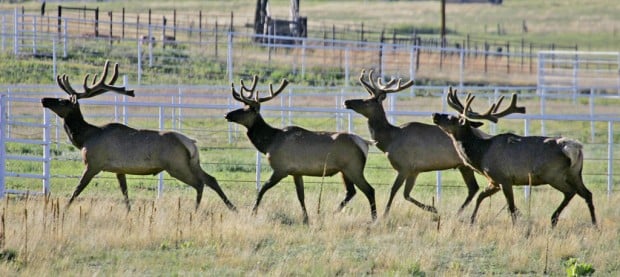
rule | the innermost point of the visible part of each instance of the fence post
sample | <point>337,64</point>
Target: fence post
<point>65,39</point>
<point>140,40</point>
<point>526,132</point>
<point>2,154</point>
<point>47,157</point>
<point>303,58</point>
<point>34,35</point>
<point>438,189</point>
<point>258,169</point>
<point>3,32</point>
<point>610,157</point>
<point>15,34</point>
<point>54,59</point>
<point>150,38</point>
<point>229,58</point>
<point>412,63</point>
<point>461,66</point>
<point>160,186</point>
<point>346,67</point>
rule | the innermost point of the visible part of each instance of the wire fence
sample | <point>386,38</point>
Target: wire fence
<point>197,111</point>
<point>216,53</point>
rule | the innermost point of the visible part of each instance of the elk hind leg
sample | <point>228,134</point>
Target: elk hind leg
<point>568,195</point>
<point>186,175</point>
<point>409,183</point>
<point>299,187</point>
<point>211,182</point>
<point>508,193</point>
<point>122,181</point>
<point>472,185</point>
<point>587,196</point>
<point>366,188</point>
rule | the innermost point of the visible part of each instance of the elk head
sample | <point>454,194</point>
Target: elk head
<point>454,125</point>
<point>64,107</point>
<point>378,92</point>
<point>251,110</point>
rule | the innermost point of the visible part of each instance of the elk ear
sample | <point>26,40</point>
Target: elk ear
<point>381,97</point>
<point>475,124</point>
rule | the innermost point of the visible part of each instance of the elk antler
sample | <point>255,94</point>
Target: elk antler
<point>252,98</point>
<point>377,89</point>
<point>491,114</point>
<point>97,86</point>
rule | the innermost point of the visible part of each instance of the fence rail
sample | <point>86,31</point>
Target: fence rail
<point>181,108</point>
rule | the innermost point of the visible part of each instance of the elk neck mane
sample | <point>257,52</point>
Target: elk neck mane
<point>78,129</point>
<point>262,134</point>
<point>469,145</point>
<point>382,132</point>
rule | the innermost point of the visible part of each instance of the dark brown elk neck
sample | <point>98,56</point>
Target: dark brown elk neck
<point>262,134</point>
<point>471,147</point>
<point>382,131</point>
<point>78,130</point>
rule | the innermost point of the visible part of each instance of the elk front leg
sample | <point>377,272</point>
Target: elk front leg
<point>122,181</point>
<point>87,176</point>
<point>490,190</point>
<point>299,187</point>
<point>472,185</point>
<point>273,180</point>
<point>400,178</point>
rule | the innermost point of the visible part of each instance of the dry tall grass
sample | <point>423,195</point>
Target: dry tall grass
<point>166,236</point>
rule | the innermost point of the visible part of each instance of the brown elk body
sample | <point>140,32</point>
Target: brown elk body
<point>123,150</point>
<point>508,160</point>
<point>299,152</point>
<point>412,148</point>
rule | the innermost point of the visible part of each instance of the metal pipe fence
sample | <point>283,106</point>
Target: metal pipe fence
<point>187,110</point>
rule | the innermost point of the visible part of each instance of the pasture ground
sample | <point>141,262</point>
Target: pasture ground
<point>167,237</point>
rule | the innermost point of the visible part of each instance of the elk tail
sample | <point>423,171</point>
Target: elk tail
<point>362,144</point>
<point>191,147</point>
<point>573,150</point>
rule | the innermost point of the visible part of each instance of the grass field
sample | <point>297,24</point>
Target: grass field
<point>96,236</point>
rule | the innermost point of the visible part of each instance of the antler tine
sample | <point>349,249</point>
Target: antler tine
<point>63,83</point>
<point>385,87</point>
<point>453,101</point>
<point>498,103</point>
<point>252,87</point>
<point>240,95</point>
<point>97,87</point>
<point>471,115</point>
<point>512,108</point>
<point>366,85</point>
<point>273,94</point>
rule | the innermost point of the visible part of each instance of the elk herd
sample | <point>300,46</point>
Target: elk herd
<point>454,142</point>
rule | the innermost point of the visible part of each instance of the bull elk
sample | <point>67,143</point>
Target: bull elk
<point>123,150</point>
<point>508,160</point>
<point>412,148</point>
<point>299,152</point>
